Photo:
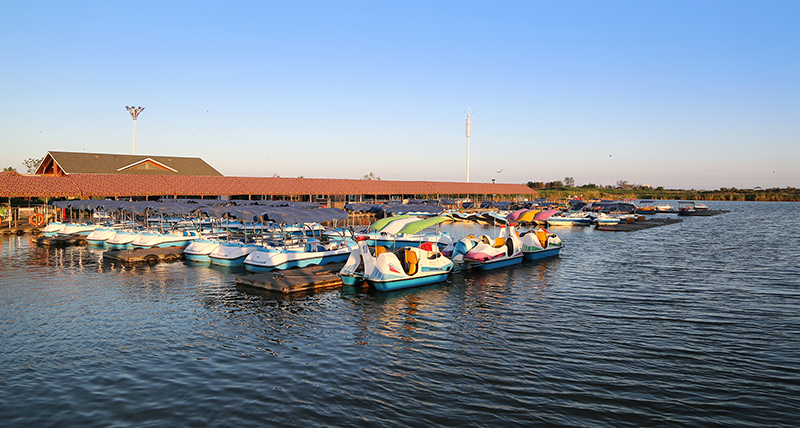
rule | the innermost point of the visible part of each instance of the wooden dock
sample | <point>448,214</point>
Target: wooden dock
<point>60,241</point>
<point>145,255</point>
<point>638,225</point>
<point>19,230</point>
<point>295,280</point>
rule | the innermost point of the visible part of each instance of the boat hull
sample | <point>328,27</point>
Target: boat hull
<point>199,251</point>
<point>352,279</point>
<point>541,254</point>
<point>495,263</point>
<point>296,263</point>
<point>408,282</point>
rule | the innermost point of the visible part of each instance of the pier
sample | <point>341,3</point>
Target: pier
<point>295,280</point>
<point>145,255</point>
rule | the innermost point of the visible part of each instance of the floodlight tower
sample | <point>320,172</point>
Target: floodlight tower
<point>134,111</point>
<point>468,133</point>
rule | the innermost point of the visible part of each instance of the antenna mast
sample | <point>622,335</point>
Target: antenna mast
<point>468,133</point>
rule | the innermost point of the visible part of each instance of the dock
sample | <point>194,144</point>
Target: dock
<point>638,225</point>
<point>145,255</point>
<point>295,280</point>
<point>60,241</point>
<point>19,230</point>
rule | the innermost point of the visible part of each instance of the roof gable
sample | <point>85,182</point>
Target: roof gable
<point>65,163</point>
<point>147,164</point>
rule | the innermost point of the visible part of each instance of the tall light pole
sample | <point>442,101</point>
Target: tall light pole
<point>134,111</point>
<point>468,132</point>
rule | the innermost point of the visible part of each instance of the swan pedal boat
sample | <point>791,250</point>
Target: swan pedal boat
<point>485,253</point>
<point>539,244</point>
<point>398,269</point>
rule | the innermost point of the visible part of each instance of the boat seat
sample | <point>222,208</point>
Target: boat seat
<point>499,242</point>
<point>542,237</point>
<point>379,250</point>
<point>411,262</point>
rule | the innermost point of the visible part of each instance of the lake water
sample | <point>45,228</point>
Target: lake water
<point>692,324</point>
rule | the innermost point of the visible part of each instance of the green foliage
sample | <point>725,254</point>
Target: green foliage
<point>31,164</point>
<point>370,176</point>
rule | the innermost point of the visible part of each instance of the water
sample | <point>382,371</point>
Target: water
<point>693,324</point>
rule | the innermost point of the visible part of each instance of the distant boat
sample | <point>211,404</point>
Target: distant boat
<point>572,219</point>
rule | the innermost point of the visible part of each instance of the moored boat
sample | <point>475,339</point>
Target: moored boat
<point>231,253</point>
<point>400,268</point>
<point>571,219</point>
<point>485,253</point>
<point>163,240</point>
<point>99,236</point>
<point>539,244</point>
<point>200,250</point>
<point>309,253</point>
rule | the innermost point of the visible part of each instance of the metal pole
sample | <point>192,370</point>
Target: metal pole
<point>134,137</point>
<point>468,134</point>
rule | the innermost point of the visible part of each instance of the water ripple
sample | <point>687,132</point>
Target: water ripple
<point>692,324</point>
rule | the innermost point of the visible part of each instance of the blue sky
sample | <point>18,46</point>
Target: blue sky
<point>694,94</point>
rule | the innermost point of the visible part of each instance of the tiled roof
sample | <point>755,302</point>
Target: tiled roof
<point>121,185</point>
<point>270,186</point>
<point>35,186</point>
<point>202,186</point>
<point>98,185</point>
<point>103,163</point>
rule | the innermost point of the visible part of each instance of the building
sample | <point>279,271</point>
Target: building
<point>59,164</point>
<point>93,175</point>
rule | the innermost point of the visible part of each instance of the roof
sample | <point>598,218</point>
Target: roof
<point>102,185</point>
<point>65,163</point>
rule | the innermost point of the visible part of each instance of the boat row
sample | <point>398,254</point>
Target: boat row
<point>431,261</point>
<point>399,251</point>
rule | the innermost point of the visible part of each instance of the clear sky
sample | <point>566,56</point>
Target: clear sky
<point>681,94</point>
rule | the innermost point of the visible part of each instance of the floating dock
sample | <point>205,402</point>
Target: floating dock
<point>19,230</point>
<point>60,241</point>
<point>145,255</point>
<point>295,280</point>
<point>638,225</point>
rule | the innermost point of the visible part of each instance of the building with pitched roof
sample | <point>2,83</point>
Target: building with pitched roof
<point>92,175</point>
<point>65,163</point>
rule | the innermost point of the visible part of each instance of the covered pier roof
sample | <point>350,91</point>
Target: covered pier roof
<point>117,185</point>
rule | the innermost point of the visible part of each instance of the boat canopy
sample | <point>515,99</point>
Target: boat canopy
<point>363,208</point>
<point>615,207</point>
<point>380,224</point>
<point>514,216</point>
<point>417,226</point>
<point>292,215</point>
<point>528,216</point>
<point>544,215</point>
<point>411,208</point>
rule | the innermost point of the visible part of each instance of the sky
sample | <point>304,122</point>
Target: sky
<point>680,94</point>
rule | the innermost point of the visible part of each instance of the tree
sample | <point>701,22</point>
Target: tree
<point>371,176</point>
<point>569,182</point>
<point>9,168</point>
<point>32,164</point>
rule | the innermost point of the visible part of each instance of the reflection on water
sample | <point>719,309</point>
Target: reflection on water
<point>693,324</point>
